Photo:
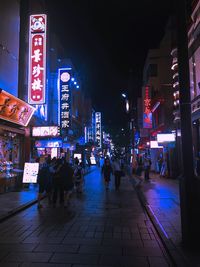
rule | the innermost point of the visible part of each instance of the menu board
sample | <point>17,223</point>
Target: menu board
<point>30,172</point>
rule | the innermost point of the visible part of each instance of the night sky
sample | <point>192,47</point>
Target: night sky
<point>107,39</point>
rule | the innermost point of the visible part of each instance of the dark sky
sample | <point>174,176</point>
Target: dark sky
<point>105,39</point>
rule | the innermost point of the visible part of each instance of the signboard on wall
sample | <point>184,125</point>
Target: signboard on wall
<point>48,143</point>
<point>14,109</point>
<point>30,172</point>
<point>64,76</point>
<point>166,137</point>
<point>147,115</point>
<point>46,131</point>
<point>37,59</point>
<point>98,133</point>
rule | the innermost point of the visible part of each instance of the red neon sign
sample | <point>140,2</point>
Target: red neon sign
<point>147,118</point>
<point>37,59</point>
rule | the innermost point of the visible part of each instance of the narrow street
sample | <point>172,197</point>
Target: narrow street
<point>99,229</point>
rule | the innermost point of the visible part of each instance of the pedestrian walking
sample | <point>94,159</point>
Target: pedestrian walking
<point>147,166</point>
<point>67,173</point>
<point>45,182</point>
<point>78,177</point>
<point>107,171</point>
<point>117,173</point>
<point>58,184</point>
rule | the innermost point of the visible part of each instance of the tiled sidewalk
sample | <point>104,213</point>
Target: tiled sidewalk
<point>160,196</point>
<point>11,202</point>
<point>101,228</point>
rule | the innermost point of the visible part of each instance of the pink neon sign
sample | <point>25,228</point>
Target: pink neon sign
<point>37,59</point>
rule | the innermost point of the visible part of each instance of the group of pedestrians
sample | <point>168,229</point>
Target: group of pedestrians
<point>115,167</point>
<point>58,178</point>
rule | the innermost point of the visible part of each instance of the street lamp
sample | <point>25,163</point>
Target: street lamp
<point>124,95</point>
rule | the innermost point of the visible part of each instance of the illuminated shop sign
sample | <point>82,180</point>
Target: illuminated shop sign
<point>46,131</point>
<point>14,109</point>
<point>154,144</point>
<point>37,59</point>
<point>64,75</point>
<point>98,129</point>
<point>147,115</point>
<point>48,143</point>
<point>170,137</point>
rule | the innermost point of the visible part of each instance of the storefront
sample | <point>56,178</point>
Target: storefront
<point>15,115</point>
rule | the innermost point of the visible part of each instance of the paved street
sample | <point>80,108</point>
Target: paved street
<point>161,197</point>
<point>100,229</point>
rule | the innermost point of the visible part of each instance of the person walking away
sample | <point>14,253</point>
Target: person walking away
<point>58,186</point>
<point>45,182</point>
<point>147,166</point>
<point>107,171</point>
<point>138,172</point>
<point>78,177</point>
<point>117,173</point>
<point>67,173</point>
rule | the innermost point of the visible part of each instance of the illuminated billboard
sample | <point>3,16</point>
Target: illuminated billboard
<point>154,144</point>
<point>48,143</point>
<point>14,109</point>
<point>37,59</point>
<point>98,129</point>
<point>167,137</point>
<point>46,131</point>
<point>64,110</point>
<point>147,115</point>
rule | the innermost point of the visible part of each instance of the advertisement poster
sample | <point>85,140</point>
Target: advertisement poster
<point>30,172</point>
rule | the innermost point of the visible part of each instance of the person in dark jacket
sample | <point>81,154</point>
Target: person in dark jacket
<point>107,171</point>
<point>68,181</point>
<point>58,183</point>
<point>45,182</point>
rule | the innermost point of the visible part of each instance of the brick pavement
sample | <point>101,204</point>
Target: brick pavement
<point>99,229</point>
<point>11,202</point>
<point>160,196</point>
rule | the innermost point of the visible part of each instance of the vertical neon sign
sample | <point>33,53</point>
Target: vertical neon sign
<point>37,59</point>
<point>64,76</point>
<point>98,129</point>
<point>147,116</point>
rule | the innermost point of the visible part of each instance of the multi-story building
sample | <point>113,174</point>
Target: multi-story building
<point>13,126</point>
<point>157,95</point>
<point>194,65</point>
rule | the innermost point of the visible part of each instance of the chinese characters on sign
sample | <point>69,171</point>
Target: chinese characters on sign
<point>98,128</point>
<point>147,116</point>
<point>65,96</point>
<point>14,109</point>
<point>46,131</point>
<point>37,59</point>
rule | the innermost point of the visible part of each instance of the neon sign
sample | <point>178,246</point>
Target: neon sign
<point>45,131</point>
<point>98,128</point>
<point>147,116</point>
<point>65,99</point>
<point>37,59</point>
